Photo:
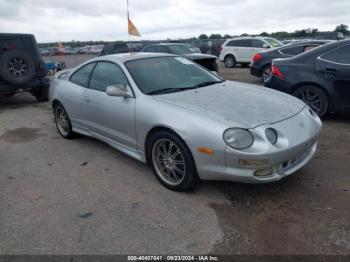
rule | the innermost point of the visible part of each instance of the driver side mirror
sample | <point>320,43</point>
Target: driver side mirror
<point>266,46</point>
<point>119,91</point>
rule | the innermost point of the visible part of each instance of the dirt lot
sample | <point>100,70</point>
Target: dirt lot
<point>83,197</point>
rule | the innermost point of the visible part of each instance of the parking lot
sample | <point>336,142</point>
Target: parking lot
<point>83,197</point>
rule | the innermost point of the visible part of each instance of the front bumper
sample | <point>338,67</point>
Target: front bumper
<point>296,146</point>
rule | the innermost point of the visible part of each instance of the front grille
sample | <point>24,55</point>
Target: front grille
<point>290,163</point>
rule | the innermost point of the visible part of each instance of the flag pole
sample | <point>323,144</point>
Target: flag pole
<point>128,17</point>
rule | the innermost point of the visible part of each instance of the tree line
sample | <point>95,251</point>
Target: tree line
<point>303,33</point>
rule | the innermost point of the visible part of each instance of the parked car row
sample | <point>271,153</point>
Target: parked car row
<point>316,71</point>
<point>261,63</point>
<point>54,51</point>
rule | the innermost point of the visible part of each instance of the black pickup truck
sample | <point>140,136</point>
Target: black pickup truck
<point>21,67</point>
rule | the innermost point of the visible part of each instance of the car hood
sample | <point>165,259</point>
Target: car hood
<point>236,104</point>
<point>198,56</point>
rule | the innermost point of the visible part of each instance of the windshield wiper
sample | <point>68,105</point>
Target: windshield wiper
<point>179,89</point>
<point>207,83</point>
<point>166,90</point>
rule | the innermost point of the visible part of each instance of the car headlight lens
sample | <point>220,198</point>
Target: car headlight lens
<point>238,138</point>
<point>271,135</point>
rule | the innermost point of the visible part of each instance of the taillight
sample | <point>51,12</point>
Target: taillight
<point>221,49</point>
<point>257,57</point>
<point>276,71</point>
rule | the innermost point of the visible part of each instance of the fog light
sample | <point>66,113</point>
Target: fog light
<point>263,172</point>
<point>254,162</point>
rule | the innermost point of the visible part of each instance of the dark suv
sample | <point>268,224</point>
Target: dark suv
<point>21,66</point>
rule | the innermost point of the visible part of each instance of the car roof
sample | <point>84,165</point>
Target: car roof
<point>169,44</point>
<point>313,53</point>
<point>249,37</point>
<point>124,57</point>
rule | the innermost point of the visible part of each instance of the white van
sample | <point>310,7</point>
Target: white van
<point>242,49</point>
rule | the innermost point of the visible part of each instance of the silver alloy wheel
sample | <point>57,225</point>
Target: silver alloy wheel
<point>62,121</point>
<point>168,162</point>
<point>17,67</point>
<point>229,61</point>
<point>266,74</point>
<point>311,98</point>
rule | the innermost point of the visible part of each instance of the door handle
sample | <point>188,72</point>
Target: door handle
<point>331,69</point>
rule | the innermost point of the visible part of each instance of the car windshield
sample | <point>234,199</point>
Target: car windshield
<point>273,42</point>
<point>181,49</point>
<point>158,75</point>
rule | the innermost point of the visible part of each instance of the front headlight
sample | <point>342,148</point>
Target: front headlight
<point>238,138</point>
<point>271,135</point>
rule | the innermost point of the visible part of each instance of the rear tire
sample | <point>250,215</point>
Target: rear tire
<point>266,74</point>
<point>230,61</point>
<point>63,123</point>
<point>172,161</point>
<point>314,97</point>
<point>16,67</point>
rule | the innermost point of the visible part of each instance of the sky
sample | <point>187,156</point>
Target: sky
<point>65,20</point>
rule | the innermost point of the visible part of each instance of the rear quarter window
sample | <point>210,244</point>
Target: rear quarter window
<point>81,76</point>
<point>340,55</point>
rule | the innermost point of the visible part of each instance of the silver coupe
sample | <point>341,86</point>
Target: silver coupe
<point>186,122</point>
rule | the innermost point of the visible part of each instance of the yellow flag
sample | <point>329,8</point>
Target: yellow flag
<point>132,29</point>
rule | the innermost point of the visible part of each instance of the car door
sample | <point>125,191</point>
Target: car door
<point>334,69</point>
<point>247,51</point>
<point>73,96</point>
<point>113,117</point>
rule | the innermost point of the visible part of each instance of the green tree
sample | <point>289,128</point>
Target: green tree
<point>203,37</point>
<point>342,28</point>
<point>264,34</point>
<point>215,36</point>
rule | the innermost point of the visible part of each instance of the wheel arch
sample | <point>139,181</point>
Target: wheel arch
<point>263,67</point>
<point>55,102</point>
<point>310,83</point>
<point>230,54</point>
<point>153,131</point>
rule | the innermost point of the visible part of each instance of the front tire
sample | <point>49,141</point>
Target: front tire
<point>63,123</point>
<point>314,97</point>
<point>172,161</point>
<point>230,61</point>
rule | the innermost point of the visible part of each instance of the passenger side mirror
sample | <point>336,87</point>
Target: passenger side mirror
<point>118,90</point>
<point>266,46</point>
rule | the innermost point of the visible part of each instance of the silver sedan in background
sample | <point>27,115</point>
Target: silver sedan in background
<point>185,121</point>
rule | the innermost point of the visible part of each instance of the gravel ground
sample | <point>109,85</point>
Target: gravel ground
<point>83,197</point>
